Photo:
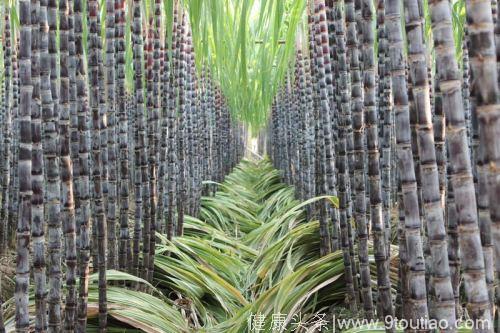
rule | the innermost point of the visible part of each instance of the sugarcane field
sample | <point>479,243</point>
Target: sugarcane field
<point>250,166</point>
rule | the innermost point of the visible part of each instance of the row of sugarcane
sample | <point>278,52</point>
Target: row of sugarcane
<point>81,153</point>
<point>384,117</point>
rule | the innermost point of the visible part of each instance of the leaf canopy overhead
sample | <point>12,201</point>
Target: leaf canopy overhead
<point>248,45</point>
